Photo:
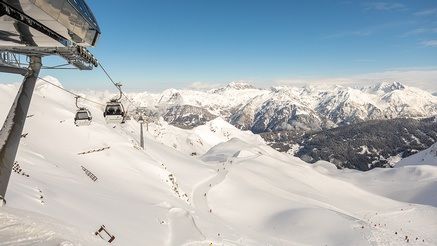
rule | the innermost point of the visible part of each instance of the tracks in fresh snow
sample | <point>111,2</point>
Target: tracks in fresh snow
<point>395,228</point>
<point>200,193</point>
<point>175,186</point>
<point>200,201</point>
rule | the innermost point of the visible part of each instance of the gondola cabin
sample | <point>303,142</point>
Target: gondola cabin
<point>83,117</point>
<point>114,112</point>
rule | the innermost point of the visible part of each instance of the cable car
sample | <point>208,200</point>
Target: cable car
<point>83,117</point>
<point>114,112</point>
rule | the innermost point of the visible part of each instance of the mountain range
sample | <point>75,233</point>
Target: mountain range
<point>308,108</point>
<point>299,111</point>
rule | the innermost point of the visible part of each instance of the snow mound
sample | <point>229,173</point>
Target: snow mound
<point>227,150</point>
<point>200,139</point>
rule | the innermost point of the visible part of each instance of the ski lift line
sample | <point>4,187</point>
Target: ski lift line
<point>117,85</point>
<point>72,93</point>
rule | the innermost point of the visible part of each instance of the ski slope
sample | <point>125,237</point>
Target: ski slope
<point>235,191</point>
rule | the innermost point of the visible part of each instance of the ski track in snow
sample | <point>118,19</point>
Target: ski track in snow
<point>385,230</point>
<point>200,201</point>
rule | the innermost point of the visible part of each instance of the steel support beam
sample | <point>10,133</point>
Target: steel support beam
<point>10,134</point>
<point>11,69</point>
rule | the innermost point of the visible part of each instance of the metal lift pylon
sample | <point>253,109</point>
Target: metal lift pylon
<point>141,121</point>
<point>36,29</point>
<point>10,134</point>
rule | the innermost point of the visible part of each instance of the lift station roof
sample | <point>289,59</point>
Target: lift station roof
<point>47,23</point>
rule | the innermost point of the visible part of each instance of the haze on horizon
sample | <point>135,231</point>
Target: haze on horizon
<point>201,44</point>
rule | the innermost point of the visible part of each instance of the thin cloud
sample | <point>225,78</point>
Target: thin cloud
<point>423,78</point>
<point>360,33</point>
<point>430,43</point>
<point>371,30</point>
<point>426,12</point>
<point>419,31</point>
<point>364,60</point>
<point>203,85</point>
<point>385,6</point>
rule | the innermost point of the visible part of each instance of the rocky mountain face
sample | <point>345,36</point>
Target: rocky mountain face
<point>362,146</point>
<point>287,108</point>
<point>187,116</point>
<point>283,111</point>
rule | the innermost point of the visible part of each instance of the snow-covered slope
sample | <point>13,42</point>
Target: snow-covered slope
<point>20,227</point>
<point>285,199</point>
<point>132,195</point>
<point>425,157</point>
<point>235,191</point>
<point>200,139</point>
<point>413,179</point>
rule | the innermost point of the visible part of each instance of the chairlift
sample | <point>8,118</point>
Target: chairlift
<point>83,116</point>
<point>114,111</point>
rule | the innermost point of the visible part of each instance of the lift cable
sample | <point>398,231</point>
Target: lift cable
<point>72,93</point>
<point>116,84</point>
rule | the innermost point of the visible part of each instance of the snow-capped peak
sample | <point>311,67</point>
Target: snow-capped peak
<point>236,85</point>
<point>385,87</point>
<point>240,85</point>
<point>171,96</point>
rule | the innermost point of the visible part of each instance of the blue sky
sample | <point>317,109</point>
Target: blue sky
<point>153,45</point>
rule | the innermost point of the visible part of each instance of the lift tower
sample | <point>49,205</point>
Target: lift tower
<point>32,29</point>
